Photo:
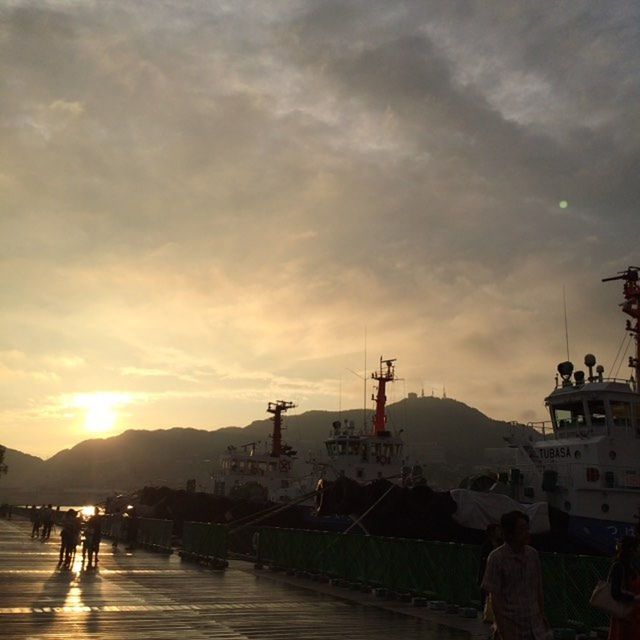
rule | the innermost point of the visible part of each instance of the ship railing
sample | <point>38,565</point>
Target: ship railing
<point>581,430</point>
<point>543,427</point>
<point>632,386</point>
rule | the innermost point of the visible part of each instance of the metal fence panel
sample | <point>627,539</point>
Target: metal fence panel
<point>205,539</point>
<point>154,532</point>
<point>448,571</point>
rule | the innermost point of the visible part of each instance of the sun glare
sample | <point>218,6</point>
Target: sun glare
<point>100,410</point>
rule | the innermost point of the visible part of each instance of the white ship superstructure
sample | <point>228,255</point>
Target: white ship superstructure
<point>369,455</point>
<point>275,474</point>
<point>587,461</point>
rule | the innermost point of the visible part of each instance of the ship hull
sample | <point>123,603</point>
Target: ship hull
<point>599,535</point>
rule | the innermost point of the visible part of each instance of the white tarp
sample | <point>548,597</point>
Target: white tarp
<point>477,509</point>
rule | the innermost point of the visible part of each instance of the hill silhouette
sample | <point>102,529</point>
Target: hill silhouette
<point>21,467</point>
<point>169,457</point>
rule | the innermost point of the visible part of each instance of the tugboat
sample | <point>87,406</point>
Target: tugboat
<point>587,462</point>
<point>368,456</point>
<point>273,475</point>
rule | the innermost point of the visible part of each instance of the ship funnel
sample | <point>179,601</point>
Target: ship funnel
<point>590,361</point>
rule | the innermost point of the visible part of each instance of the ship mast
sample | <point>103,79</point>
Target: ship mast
<point>382,377</point>
<point>631,306</point>
<point>278,408</point>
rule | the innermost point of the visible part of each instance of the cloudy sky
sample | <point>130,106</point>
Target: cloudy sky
<point>204,204</point>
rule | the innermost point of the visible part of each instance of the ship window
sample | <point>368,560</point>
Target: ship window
<point>621,413</point>
<point>570,415</point>
<point>632,479</point>
<point>598,413</point>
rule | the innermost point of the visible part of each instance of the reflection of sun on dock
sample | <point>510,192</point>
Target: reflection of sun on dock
<point>144,595</point>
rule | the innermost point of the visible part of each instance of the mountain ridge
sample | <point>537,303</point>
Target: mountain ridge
<point>170,456</point>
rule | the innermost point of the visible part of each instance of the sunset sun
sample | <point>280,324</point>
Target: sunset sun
<point>100,410</point>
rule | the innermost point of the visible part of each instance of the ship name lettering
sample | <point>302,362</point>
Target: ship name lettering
<point>551,453</point>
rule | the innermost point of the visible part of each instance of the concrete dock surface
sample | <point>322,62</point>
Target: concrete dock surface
<point>141,595</point>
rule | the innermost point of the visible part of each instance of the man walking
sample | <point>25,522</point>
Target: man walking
<point>35,514</point>
<point>47,522</point>
<point>514,579</point>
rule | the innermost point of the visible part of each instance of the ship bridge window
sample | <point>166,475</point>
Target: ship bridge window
<point>598,413</point>
<point>354,446</point>
<point>621,413</point>
<point>570,415</point>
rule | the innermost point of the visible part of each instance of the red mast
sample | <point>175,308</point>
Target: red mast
<point>383,376</point>
<point>631,306</point>
<point>278,408</point>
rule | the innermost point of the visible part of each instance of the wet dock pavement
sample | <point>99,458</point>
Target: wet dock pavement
<point>138,595</point>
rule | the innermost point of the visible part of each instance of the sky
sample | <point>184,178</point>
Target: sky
<point>206,206</point>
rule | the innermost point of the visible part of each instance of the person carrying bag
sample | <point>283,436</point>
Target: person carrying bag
<point>619,596</point>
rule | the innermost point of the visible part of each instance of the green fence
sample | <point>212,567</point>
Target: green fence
<point>26,512</point>
<point>407,566</point>
<point>446,571</point>
<point>151,533</point>
<point>568,583</point>
<point>111,526</point>
<point>204,541</point>
<point>155,534</point>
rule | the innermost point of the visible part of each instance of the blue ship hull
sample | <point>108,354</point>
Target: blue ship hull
<point>600,535</point>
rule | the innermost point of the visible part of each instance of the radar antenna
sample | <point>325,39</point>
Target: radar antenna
<point>278,408</point>
<point>631,306</point>
<point>384,375</point>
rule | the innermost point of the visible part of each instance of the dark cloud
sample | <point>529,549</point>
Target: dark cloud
<point>190,188</point>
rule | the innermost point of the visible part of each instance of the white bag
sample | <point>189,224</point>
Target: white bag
<point>602,599</point>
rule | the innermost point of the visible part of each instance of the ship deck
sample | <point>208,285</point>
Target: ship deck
<point>138,595</point>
